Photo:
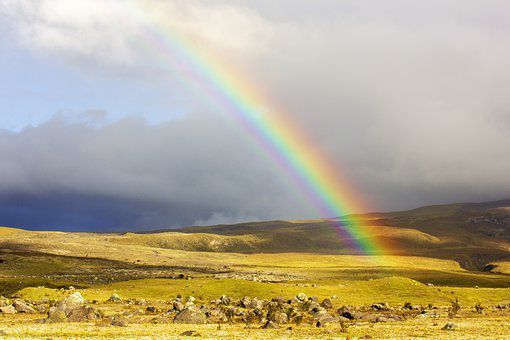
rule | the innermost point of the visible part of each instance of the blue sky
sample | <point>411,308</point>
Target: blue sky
<point>34,87</point>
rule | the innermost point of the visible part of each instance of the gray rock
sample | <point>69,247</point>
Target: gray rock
<point>190,315</point>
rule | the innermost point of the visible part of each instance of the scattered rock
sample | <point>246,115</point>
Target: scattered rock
<point>450,326</point>
<point>190,315</point>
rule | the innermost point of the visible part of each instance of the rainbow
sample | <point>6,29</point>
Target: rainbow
<point>274,131</point>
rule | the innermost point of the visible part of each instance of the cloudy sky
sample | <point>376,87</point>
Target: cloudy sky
<point>102,129</point>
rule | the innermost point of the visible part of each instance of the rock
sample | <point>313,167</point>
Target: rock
<point>310,305</point>
<point>4,302</point>
<point>245,302</point>
<point>349,314</point>
<point>301,297</point>
<point>270,325</point>
<point>82,314</point>
<point>72,301</point>
<point>190,333</point>
<point>430,285</point>
<point>22,307</point>
<point>380,306</point>
<point>279,318</point>
<point>450,326</point>
<point>322,315</point>
<point>151,309</point>
<point>381,319</point>
<point>56,315</point>
<point>225,300</point>
<point>190,315</point>
<point>256,303</point>
<point>190,299</point>
<point>217,316</point>
<point>2,333</point>
<point>7,310</point>
<point>118,321</point>
<point>115,298</point>
<point>326,303</point>
<point>177,306</point>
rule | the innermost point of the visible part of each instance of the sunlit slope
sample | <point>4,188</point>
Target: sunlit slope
<point>472,234</point>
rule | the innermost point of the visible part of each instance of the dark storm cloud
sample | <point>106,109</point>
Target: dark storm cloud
<point>132,175</point>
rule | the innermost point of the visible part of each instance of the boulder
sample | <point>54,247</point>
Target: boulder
<point>190,333</point>
<point>56,315</point>
<point>383,306</point>
<point>279,318</point>
<point>190,315</point>
<point>245,302</point>
<point>326,303</point>
<point>22,307</point>
<point>118,321</point>
<point>225,300</point>
<point>72,301</point>
<point>217,316</point>
<point>115,298</point>
<point>4,302</point>
<point>82,314</point>
<point>270,325</point>
<point>301,297</point>
<point>7,310</point>
<point>450,326</point>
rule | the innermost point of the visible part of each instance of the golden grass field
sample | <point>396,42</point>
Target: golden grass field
<point>432,267</point>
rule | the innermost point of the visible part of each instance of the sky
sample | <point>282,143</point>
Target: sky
<point>102,130</point>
